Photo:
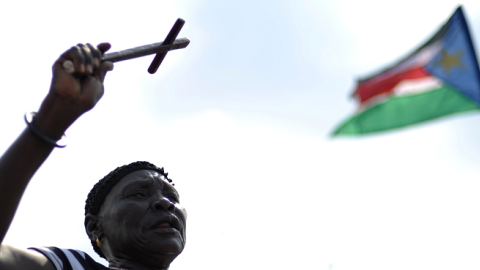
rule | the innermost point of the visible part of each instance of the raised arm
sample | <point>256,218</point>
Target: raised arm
<point>69,97</point>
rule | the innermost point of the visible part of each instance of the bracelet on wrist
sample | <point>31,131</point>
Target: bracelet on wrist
<point>57,143</point>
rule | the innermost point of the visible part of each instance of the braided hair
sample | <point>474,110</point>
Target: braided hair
<point>101,189</point>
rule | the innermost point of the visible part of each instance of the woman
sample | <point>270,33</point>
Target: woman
<point>132,216</point>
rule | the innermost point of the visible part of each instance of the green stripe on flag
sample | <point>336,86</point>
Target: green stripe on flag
<point>402,111</point>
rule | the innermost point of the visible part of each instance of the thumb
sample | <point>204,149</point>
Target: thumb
<point>105,66</point>
<point>104,47</point>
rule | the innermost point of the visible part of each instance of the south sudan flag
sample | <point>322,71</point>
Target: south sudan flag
<point>439,78</point>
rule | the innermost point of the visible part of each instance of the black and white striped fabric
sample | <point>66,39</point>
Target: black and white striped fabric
<point>69,259</point>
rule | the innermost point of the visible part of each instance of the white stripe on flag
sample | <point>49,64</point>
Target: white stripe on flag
<point>416,86</point>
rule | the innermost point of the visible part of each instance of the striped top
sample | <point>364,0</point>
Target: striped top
<point>69,259</point>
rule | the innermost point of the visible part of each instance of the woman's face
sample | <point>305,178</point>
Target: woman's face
<point>142,219</point>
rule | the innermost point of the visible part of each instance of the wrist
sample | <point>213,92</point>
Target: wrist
<point>46,139</point>
<point>54,117</point>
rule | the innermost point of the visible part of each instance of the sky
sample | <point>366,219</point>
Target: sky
<point>241,120</point>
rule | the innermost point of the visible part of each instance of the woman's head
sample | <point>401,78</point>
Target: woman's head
<point>135,212</point>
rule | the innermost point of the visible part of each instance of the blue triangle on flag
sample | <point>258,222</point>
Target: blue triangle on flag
<point>456,63</point>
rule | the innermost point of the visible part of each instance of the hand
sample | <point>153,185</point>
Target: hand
<point>86,84</point>
<point>71,95</point>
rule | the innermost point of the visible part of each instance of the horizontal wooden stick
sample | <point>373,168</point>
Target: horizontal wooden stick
<point>136,52</point>
<point>145,50</point>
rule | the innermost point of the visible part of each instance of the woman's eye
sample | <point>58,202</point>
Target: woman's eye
<point>138,195</point>
<point>172,198</point>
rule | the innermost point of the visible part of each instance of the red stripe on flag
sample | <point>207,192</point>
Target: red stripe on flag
<point>369,89</point>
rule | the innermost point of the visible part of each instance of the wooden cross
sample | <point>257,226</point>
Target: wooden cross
<point>160,49</point>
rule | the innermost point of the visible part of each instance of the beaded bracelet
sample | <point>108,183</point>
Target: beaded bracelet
<point>57,143</point>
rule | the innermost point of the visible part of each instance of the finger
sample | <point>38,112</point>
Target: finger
<point>100,72</point>
<point>87,55</point>
<point>76,54</point>
<point>76,58</point>
<point>96,54</point>
<point>70,67</point>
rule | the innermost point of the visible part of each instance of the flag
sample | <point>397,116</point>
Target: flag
<point>439,78</point>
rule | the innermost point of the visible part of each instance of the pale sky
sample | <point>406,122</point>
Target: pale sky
<point>241,121</point>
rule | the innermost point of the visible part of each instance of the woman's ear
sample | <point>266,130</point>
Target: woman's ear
<point>93,227</point>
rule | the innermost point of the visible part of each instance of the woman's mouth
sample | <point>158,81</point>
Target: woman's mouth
<point>164,225</point>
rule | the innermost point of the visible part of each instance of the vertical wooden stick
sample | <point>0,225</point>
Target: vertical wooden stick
<point>168,40</point>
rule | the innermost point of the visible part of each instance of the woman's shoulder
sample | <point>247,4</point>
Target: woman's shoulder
<point>69,259</point>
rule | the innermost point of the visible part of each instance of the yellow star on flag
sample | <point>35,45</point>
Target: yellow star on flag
<point>451,61</point>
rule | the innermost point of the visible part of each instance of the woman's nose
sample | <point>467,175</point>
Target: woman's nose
<point>163,204</point>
